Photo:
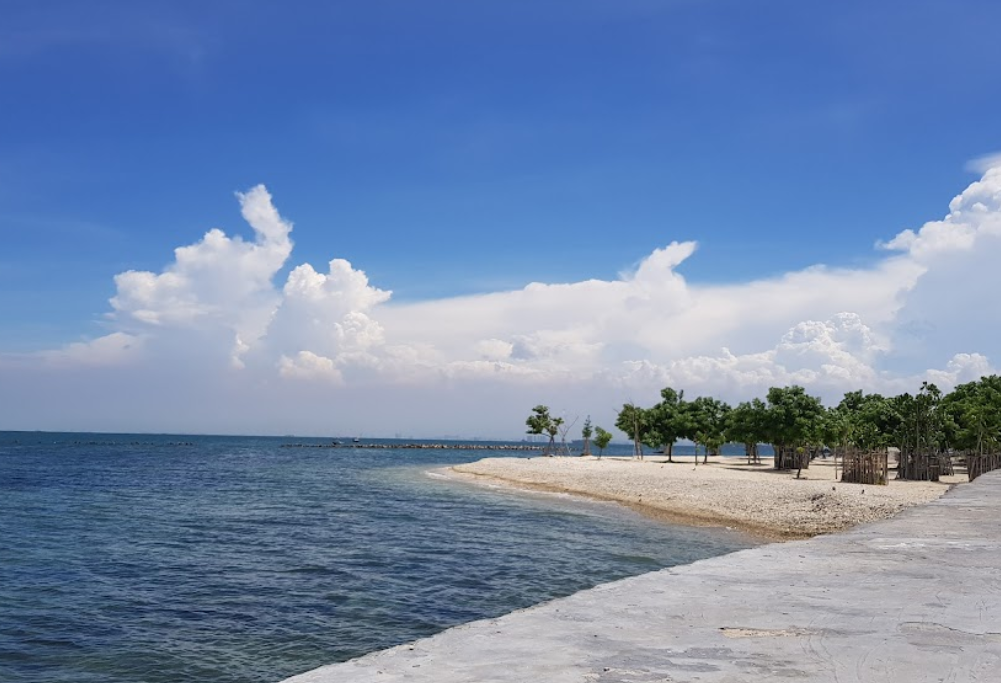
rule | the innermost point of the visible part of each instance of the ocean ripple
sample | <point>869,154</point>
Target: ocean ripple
<point>127,559</point>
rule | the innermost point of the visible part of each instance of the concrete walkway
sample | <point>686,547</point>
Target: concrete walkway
<point>911,600</point>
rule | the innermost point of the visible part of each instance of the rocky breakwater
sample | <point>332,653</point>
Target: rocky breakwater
<point>418,445</point>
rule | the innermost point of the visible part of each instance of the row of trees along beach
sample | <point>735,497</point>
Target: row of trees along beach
<point>929,431</point>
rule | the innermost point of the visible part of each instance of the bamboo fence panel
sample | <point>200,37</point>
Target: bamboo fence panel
<point>865,467</point>
<point>978,463</point>
<point>920,465</point>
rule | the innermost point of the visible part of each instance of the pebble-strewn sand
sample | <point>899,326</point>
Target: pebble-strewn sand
<point>729,493</point>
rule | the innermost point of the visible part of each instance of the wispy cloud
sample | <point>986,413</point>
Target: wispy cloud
<point>985,163</point>
<point>36,30</point>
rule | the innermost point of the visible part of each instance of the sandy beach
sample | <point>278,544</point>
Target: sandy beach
<point>725,492</point>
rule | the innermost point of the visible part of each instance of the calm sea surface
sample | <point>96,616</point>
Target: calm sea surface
<point>148,559</point>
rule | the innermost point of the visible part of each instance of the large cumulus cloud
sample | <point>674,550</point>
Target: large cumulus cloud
<point>214,327</point>
<point>220,282</point>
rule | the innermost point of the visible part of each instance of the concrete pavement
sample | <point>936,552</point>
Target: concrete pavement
<point>913,599</point>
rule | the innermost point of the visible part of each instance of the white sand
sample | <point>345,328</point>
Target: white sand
<point>725,492</point>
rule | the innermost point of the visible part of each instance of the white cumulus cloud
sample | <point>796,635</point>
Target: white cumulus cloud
<point>307,365</point>
<point>219,281</point>
<point>214,331</point>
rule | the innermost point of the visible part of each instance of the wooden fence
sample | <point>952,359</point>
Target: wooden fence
<point>865,467</point>
<point>978,463</point>
<point>924,465</point>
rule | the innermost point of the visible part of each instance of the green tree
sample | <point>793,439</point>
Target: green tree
<point>971,416</point>
<point>634,422</point>
<point>747,425</point>
<point>921,431</point>
<point>920,425</point>
<point>651,437</point>
<point>555,426</point>
<point>541,422</point>
<point>794,423</point>
<point>586,433</point>
<point>707,422</point>
<point>864,421</point>
<point>601,439</point>
<point>666,421</point>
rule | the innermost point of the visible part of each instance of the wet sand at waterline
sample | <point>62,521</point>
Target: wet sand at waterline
<point>724,492</point>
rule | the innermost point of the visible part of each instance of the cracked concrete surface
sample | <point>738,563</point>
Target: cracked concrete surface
<point>913,599</point>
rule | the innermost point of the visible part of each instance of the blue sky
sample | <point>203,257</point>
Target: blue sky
<point>456,148</point>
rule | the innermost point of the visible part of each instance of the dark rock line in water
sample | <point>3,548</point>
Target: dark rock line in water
<point>427,446</point>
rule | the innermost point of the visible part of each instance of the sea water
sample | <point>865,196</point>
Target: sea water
<point>149,559</point>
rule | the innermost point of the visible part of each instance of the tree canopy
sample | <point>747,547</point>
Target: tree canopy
<point>706,424</point>
<point>667,421</point>
<point>635,422</point>
<point>541,422</point>
<point>794,421</point>
<point>748,425</point>
<point>601,439</point>
<point>797,425</point>
<point>971,415</point>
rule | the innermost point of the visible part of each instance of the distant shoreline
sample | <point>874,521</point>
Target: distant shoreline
<point>726,492</point>
<point>417,445</point>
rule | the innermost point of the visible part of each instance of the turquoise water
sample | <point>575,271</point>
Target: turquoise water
<point>148,559</point>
